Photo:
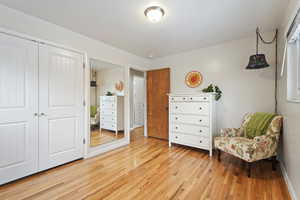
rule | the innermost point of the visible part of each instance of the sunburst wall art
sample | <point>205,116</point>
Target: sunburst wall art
<point>193,79</point>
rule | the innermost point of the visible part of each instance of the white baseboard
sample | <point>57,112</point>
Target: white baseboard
<point>107,147</point>
<point>288,182</point>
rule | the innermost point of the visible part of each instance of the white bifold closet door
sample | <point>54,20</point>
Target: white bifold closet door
<point>18,105</point>
<point>41,107</point>
<point>60,106</point>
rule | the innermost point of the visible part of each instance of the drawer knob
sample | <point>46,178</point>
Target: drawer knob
<point>176,127</point>
<point>176,107</point>
<point>176,118</point>
<point>200,108</point>
<point>200,120</point>
<point>191,98</point>
<point>205,98</point>
<point>172,98</point>
<point>200,131</point>
<point>176,137</point>
<point>200,141</point>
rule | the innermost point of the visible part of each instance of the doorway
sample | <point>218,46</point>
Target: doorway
<point>137,103</point>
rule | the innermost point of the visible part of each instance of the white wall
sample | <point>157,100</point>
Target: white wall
<point>290,147</point>
<point>35,27</point>
<point>224,65</point>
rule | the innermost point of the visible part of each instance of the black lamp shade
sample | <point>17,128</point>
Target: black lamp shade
<point>257,61</point>
<point>93,84</point>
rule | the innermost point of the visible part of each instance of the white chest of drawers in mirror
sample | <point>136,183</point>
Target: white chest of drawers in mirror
<point>192,120</point>
<point>112,113</point>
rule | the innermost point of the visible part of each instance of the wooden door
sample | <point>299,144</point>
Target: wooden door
<point>18,108</point>
<point>158,86</point>
<point>61,106</point>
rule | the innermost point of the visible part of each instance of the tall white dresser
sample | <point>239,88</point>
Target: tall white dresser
<point>192,120</point>
<point>112,113</point>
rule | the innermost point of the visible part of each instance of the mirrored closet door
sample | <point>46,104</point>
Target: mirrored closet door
<point>107,99</point>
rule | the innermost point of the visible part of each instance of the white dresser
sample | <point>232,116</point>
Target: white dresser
<point>192,120</point>
<point>112,113</point>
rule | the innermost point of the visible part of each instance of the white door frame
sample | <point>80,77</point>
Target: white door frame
<point>86,70</point>
<point>145,98</point>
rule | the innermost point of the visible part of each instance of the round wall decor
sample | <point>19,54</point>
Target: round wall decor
<point>119,86</point>
<point>193,79</point>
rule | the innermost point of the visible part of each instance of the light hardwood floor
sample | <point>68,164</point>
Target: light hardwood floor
<point>148,169</point>
<point>103,137</point>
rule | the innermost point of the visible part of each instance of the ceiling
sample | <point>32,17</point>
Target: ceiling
<point>187,25</point>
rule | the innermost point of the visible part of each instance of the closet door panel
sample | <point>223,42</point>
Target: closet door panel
<point>61,106</point>
<point>18,105</point>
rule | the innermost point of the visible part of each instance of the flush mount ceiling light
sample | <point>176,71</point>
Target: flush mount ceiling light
<point>154,13</point>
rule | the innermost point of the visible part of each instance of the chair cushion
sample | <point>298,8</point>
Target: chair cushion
<point>238,146</point>
<point>250,150</point>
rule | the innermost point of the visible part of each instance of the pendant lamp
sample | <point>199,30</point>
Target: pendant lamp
<point>258,61</point>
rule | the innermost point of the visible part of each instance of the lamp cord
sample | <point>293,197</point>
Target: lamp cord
<point>275,39</point>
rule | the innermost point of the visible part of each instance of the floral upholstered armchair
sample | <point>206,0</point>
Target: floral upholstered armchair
<point>235,142</point>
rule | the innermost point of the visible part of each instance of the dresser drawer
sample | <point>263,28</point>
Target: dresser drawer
<point>108,118</point>
<point>188,99</point>
<point>108,98</point>
<point>108,105</point>
<point>190,119</point>
<point>108,125</point>
<point>190,129</point>
<point>200,99</point>
<point>190,108</point>
<point>107,112</point>
<point>190,140</point>
<point>176,99</point>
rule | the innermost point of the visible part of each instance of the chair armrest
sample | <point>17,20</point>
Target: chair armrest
<point>271,138</point>
<point>229,132</point>
<point>266,145</point>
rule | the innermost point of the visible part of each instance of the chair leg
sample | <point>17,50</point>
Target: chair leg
<point>274,162</point>
<point>219,155</point>
<point>249,169</point>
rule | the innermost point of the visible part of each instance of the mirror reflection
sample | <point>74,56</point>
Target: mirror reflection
<point>106,102</point>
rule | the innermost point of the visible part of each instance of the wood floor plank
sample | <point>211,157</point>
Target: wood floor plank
<point>149,169</point>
